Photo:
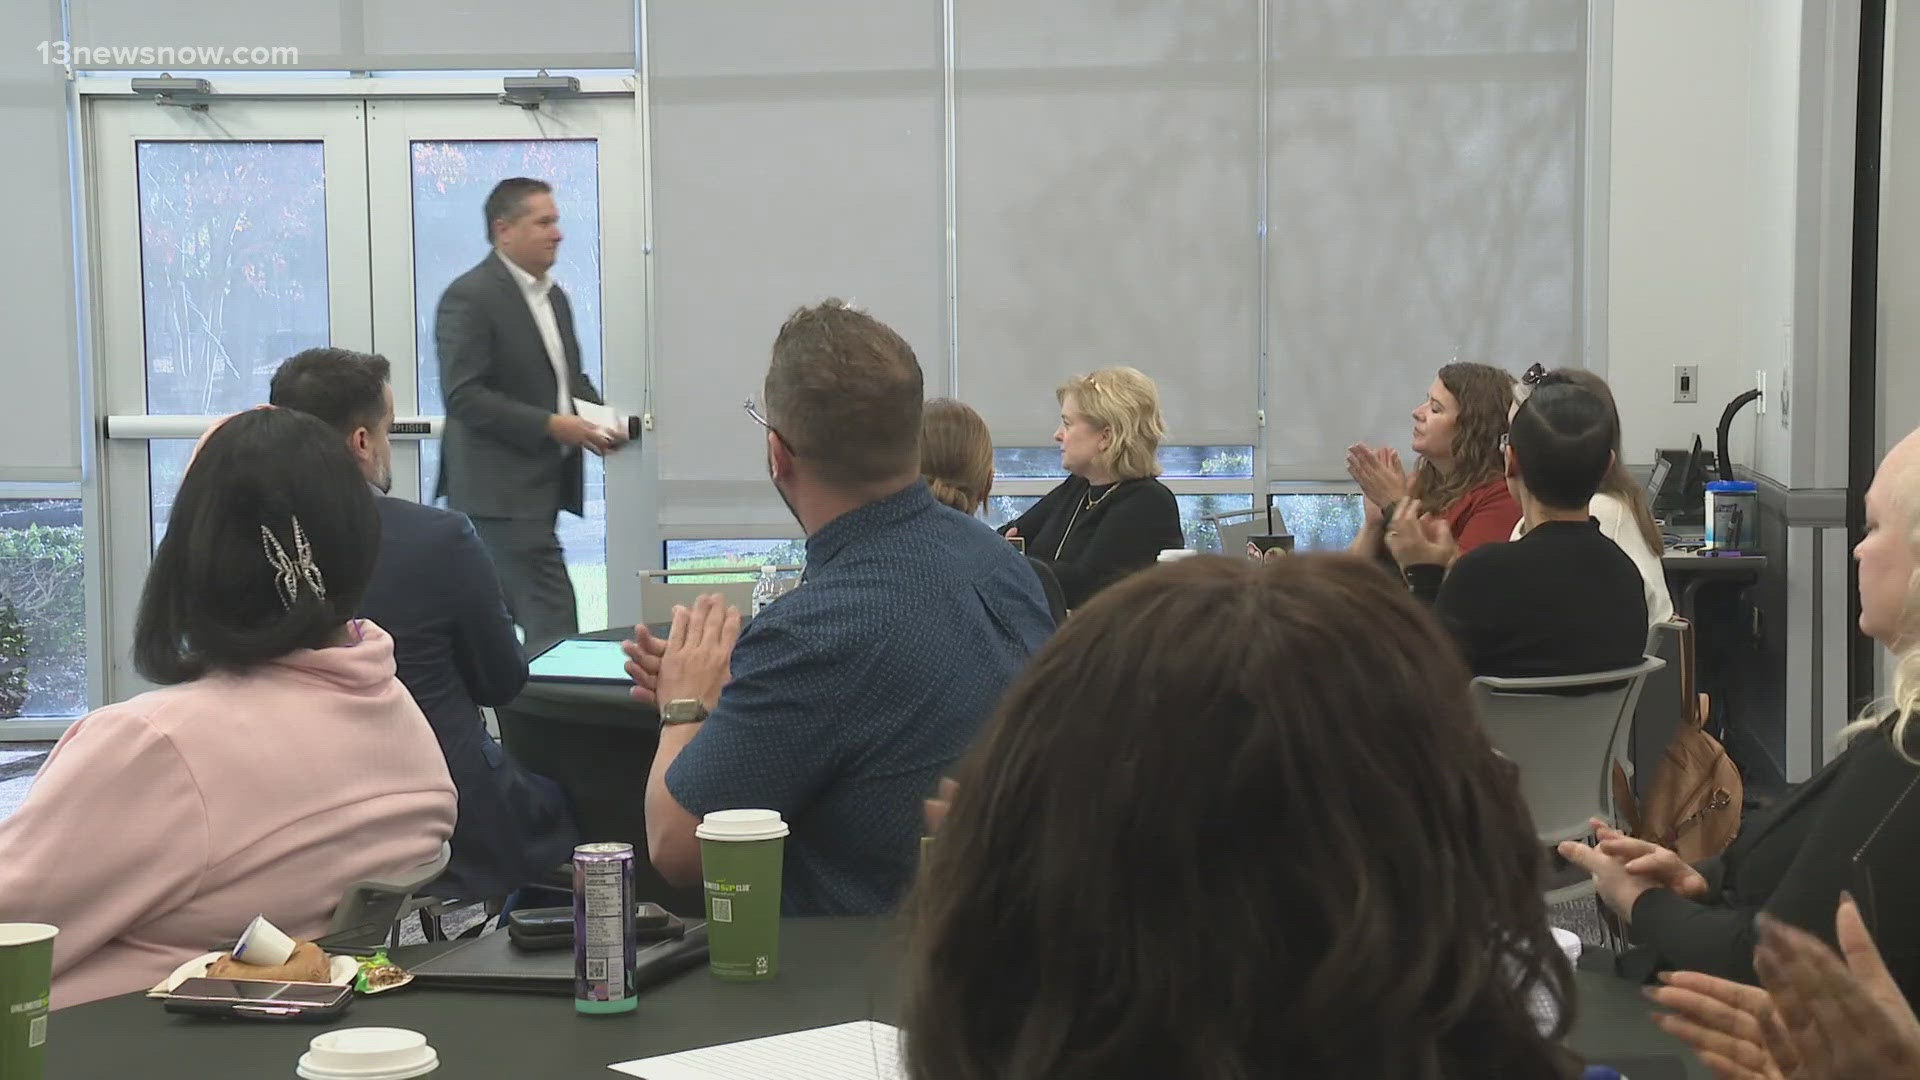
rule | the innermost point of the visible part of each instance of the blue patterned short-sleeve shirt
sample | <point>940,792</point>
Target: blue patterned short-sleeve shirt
<point>853,693</point>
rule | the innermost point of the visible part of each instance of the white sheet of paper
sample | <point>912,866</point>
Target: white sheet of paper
<point>864,1048</point>
<point>600,416</point>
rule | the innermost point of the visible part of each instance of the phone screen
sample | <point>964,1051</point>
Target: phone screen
<point>280,993</point>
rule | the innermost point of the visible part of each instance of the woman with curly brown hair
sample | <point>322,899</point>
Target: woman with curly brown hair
<point>1293,853</point>
<point>1456,433</point>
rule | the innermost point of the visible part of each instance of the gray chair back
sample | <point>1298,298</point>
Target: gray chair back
<point>1564,734</point>
<point>369,912</point>
<point>1236,526</point>
<point>1658,714</point>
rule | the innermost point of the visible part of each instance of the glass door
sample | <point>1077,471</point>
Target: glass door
<point>225,240</point>
<point>431,165</point>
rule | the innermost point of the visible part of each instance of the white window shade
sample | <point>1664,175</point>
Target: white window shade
<point>1107,208</point>
<point>789,165</point>
<point>342,35</point>
<point>40,425</point>
<point>1425,204</point>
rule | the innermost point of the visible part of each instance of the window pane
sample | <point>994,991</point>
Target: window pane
<point>1194,511</point>
<point>43,637</point>
<point>1027,462</point>
<point>451,180</point>
<point>233,253</point>
<point>450,185</point>
<point>748,555</point>
<point>1212,462</point>
<point>1320,522</point>
<point>166,464</point>
<point>1176,462</point>
<point>1001,509</point>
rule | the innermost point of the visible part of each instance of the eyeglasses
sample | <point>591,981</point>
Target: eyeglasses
<point>759,418</point>
<point>1506,442</point>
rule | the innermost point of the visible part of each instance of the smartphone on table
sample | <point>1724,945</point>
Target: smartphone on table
<point>249,999</point>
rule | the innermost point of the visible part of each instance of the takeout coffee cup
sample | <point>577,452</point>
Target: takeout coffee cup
<point>740,861</point>
<point>368,1053</point>
<point>26,980</point>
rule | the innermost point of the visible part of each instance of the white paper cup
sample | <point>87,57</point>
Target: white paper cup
<point>263,945</point>
<point>368,1053</point>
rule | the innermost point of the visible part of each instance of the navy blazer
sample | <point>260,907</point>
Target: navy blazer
<point>435,591</point>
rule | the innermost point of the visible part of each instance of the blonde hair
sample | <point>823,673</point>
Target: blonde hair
<point>1903,698</point>
<point>956,454</point>
<point>1127,404</point>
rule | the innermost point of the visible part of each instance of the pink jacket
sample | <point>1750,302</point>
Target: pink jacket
<point>162,825</point>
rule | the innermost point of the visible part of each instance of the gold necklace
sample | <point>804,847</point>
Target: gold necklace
<point>1087,503</point>
<point>1092,502</point>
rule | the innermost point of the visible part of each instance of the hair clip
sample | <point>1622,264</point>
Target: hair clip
<point>289,573</point>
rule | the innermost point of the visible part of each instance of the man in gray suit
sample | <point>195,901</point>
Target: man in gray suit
<point>510,369</point>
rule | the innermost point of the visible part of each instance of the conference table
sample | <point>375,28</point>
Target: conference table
<point>831,971</point>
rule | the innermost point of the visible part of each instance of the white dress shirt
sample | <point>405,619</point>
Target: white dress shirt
<point>538,292</point>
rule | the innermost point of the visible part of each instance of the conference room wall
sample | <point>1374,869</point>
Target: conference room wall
<point>1899,308</point>
<point>40,429</point>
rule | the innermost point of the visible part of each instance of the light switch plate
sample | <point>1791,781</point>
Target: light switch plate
<point>1686,382</point>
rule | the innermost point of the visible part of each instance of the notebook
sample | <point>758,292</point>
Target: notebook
<point>862,1050</point>
<point>490,962</point>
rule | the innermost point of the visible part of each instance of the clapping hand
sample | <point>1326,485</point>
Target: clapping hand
<point>1819,1017</point>
<point>1378,471</point>
<point>1418,539</point>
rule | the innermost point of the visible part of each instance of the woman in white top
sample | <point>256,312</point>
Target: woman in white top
<point>1620,506</point>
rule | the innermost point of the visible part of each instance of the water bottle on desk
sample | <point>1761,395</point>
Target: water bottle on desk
<point>766,590</point>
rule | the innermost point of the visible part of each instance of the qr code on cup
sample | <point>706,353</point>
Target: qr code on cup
<point>722,909</point>
<point>36,1031</point>
<point>596,968</point>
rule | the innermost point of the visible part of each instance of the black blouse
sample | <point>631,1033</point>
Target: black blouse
<point>1092,536</point>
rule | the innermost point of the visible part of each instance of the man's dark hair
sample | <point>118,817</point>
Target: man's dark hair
<point>845,392</point>
<point>1562,438</point>
<point>342,387</point>
<point>214,598</point>
<point>507,200</point>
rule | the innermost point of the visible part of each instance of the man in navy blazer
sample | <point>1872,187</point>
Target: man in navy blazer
<point>435,591</point>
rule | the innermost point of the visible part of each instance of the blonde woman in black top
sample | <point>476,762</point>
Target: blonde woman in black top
<point>1110,516</point>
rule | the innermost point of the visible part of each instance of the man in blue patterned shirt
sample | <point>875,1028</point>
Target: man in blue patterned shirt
<point>844,701</point>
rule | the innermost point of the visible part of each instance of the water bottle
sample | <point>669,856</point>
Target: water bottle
<point>766,590</point>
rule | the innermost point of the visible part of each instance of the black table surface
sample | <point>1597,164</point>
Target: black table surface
<point>831,971</point>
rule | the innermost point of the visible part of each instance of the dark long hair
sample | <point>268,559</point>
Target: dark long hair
<point>1618,482</point>
<point>1236,821</point>
<point>212,601</point>
<point>1484,394</point>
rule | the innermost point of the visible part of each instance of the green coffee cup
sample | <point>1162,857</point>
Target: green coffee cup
<point>26,980</point>
<point>740,860</point>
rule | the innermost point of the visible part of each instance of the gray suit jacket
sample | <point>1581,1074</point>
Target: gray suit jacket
<point>497,459</point>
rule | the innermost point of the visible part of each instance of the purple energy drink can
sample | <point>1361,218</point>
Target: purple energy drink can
<point>603,943</point>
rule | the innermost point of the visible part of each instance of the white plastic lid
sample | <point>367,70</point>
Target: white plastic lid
<point>368,1053</point>
<point>1176,554</point>
<point>741,825</point>
<point>25,933</point>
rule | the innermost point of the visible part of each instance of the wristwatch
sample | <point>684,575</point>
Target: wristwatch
<point>683,711</point>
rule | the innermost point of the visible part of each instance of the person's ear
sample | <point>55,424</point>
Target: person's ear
<point>779,457</point>
<point>1510,465</point>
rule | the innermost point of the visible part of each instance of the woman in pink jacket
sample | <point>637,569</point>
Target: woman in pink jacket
<point>280,762</point>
